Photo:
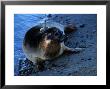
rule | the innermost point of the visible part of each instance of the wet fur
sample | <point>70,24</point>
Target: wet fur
<point>35,45</point>
<point>32,37</point>
<point>51,49</point>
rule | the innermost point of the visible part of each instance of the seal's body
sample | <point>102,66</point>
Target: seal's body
<point>47,43</point>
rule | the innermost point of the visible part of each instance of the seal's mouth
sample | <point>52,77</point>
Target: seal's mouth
<point>52,48</point>
<point>48,41</point>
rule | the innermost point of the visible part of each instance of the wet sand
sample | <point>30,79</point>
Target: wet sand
<point>77,64</point>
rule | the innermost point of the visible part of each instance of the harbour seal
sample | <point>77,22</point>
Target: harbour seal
<point>43,43</point>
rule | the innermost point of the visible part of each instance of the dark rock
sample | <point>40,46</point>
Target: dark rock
<point>56,16</point>
<point>25,67</point>
<point>61,17</point>
<point>81,36</point>
<point>69,74</point>
<point>82,25</point>
<point>82,46</point>
<point>66,20</point>
<point>76,72</point>
<point>82,40</point>
<point>54,65</point>
<point>67,42</point>
<point>49,16</point>
<point>89,59</point>
<point>82,59</point>
<point>60,72</point>
<point>90,45</point>
<point>87,36</point>
<point>94,31</point>
<point>77,43</point>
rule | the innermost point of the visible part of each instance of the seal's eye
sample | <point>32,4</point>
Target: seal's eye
<point>57,34</point>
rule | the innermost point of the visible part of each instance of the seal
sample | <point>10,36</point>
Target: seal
<point>43,43</point>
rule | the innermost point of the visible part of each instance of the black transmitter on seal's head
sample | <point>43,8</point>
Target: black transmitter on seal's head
<point>54,33</point>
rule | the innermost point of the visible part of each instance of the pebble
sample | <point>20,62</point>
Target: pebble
<point>61,17</point>
<point>25,67</point>
<point>82,25</point>
<point>82,59</point>
<point>87,36</point>
<point>82,46</point>
<point>89,59</point>
<point>54,65</point>
<point>67,42</point>
<point>69,74</point>
<point>49,16</point>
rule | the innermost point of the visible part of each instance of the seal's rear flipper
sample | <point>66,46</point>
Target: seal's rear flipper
<point>69,28</point>
<point>72,50</point>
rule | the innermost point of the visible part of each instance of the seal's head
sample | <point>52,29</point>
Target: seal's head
<point>51,42</point>
<point>54,34</point>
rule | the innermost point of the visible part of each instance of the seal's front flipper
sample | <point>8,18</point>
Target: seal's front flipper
<point>40,65</point>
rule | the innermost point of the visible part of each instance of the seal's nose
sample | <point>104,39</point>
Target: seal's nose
<point>50,36</point>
